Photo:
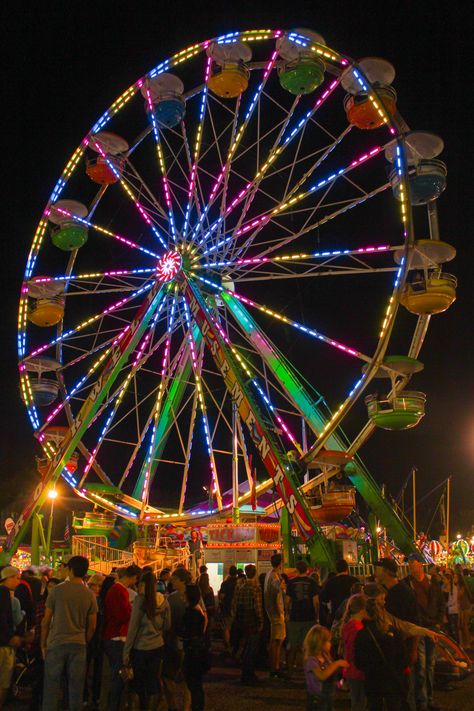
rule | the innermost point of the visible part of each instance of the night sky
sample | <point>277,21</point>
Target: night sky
<point>65,64</point>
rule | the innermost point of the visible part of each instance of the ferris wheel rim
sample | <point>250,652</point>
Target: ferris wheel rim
<point>345,62</point>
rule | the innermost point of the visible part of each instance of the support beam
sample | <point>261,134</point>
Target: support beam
<point>289,379</point>
<point>113,365</point>
<point>170,406</point>
<point>273,457</point>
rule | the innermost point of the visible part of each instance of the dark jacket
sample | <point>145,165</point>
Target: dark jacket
<point>6,617</point>
<point>434,614</point>
<point>383,661</point>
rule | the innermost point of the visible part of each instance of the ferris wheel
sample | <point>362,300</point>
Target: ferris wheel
<point>233,237</point>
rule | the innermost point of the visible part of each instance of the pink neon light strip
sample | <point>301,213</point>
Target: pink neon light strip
<point>288,259</point>
<point>242,194</point>
<point>260,221</point>
<point>300,327</point>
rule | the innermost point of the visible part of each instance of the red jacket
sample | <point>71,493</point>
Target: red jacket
<point>117,612</point>
<point>349,634</point>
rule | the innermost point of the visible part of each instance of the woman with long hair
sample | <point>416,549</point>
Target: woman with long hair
<point>320,669</point>
<point>352,624</point>
<point>143,648</point>
<point>382,656</point>
<point>196,653</point>
<point>207,594</point>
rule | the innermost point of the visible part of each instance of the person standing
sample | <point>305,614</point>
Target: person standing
<point>430,605</point>
<point>226,595</point>
<point>117,611</point>
<point>9,580</point>
<point>337,589</point>
<point>275,609</point>
<point>207,596</point>
<point>381,655</point>
<point>451,588</point>
<point>173,650</point>
<point>144,645</point>
<point>352,624</point>
<point>68,624</point>
<point>196,654</point>
<point>247,612</point>
<point>195,552</point>
<point>400,602</point>
<point>302,593</point>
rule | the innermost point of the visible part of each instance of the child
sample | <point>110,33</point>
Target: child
<point>351,625</point>
<point>320,669</point>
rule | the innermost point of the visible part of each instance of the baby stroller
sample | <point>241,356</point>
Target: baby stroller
<point>452,662</point>
<point>25,676</point>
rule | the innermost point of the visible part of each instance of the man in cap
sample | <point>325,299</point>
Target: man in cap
<point>9,581</point>
<point>400,601</point>
<point>430,605</point>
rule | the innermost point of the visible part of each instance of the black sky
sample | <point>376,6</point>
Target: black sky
<point>66,62</point>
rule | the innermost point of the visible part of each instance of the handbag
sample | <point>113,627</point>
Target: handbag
<point>384,660</point>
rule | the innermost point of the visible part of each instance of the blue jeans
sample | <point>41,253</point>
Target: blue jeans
<point>69,657</point>
<point>114,651</point>
<point>424,671</point>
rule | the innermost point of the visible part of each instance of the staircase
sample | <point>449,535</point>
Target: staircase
<point>102,558</point>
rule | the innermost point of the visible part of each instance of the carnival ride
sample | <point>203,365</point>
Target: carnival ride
<point>160,339</point>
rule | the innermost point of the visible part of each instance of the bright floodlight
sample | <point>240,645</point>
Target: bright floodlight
<point>52,494</point>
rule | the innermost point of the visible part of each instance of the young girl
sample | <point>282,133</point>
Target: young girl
<point>352,623</point>
<point>320,669</point>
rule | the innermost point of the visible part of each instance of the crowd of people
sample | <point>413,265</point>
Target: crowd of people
<point>375,638</point>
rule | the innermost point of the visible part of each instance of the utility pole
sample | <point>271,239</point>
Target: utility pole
<point>448,506</point>
<point>413,474</point>
<point>235,466</point>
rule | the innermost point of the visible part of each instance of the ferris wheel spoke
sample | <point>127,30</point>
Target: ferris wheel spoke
<point>192,193</point>
<point>276,151</point>
<point>180,364</point>
<point>238,136</point>
<point>278,243</point>
<point>162,165</point>
<point>105,231</point>
<point>228,296</point>
<point>292,197</point>
<point>184,482</point>
<point>90,320</point>
<point>219,137</point>
<point>197,360</point>
<point>137,182</point>
<point>82,383</point>
<point>129,191</point>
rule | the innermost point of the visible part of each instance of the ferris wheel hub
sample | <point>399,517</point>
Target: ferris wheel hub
<point>169,265</point>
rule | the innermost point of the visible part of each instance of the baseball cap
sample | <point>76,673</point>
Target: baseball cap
<point>8,572</point>
<point>388,564</point>
<point>416,556</point>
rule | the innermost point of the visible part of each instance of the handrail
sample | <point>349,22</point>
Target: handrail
<point>102,557</point>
